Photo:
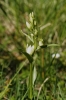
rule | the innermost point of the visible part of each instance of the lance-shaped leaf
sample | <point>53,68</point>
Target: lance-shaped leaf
<point>29,57</point>
<point>43,46</point>
<point>53,45</point>
<point>34,75</point>
<point>28,36</point>
<point>49,45</point>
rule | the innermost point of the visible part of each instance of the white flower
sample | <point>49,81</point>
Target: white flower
<point>30,49</point>
<point>53,55</point>
<point>41,42</point>
<point>28,25</point>
<point>57,55</point>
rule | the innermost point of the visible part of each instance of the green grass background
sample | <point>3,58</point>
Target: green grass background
<point>13,17</point>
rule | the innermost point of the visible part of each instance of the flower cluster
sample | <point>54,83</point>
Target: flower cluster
<point>32,26</point>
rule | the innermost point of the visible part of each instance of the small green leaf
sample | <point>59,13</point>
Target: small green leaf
<point>43,46</point>
<point>49,45</point>
<point>53,45</point>
<point>29,57</point>
<point>27,36</point>
<point>34,75</point>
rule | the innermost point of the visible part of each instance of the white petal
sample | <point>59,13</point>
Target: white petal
<point>53,55</point>
<point>57,55</point>
<point>30,49</point>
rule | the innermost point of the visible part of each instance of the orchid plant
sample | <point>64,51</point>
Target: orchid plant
<point>31,49</point>
<point>31,25</point>
<point>36,44</point>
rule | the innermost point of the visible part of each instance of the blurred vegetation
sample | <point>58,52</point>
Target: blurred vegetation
<point>13,16</point>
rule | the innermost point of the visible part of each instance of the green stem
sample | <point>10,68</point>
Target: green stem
<point>30,95</point>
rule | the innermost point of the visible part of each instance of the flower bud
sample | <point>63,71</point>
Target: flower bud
<point>34,22</point>
<point>41,42</point>
<point>32,14</point>
<point>28,25</point>
<point>36,32</point>
<point>31,17</point>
